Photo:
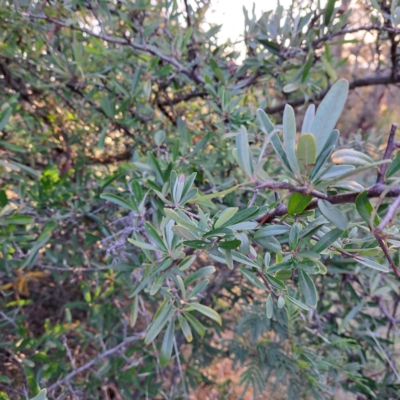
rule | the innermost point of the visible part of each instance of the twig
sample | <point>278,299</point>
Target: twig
<point>372,192</point>
<point>253,199</point>
<point>69,354</point>
<point>389,215</point>
<point>178,361</point>
<point>392,320</point>
<point>126,41</point>
<point>388,152</point>
<point>387,255</point>
<point>7,318</point>
<point>266,283</point>
<point>89,364</point>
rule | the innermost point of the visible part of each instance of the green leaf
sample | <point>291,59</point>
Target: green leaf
<point>355,171</point>
<point>308,119</point>
<point>252,278</point>
<point>196,325</point>
<point>187,262</point>
<point>229,258</point>
<point>242,215</point>
<point>154,236</point>
<point>244,226</point>
<point>230,245</point>
<point>42,395</point>
<point>241,258</point>
<point>324,155</point>
<point>365,209</point>
<point>271,230</point>
<point>157,283</point>
<point>329,112</point>
<point>225,216</point>
<point>200,273</point>
<point>155,167</point>
<point>198,288</point>
<point>3,198</point>
<point>279,150</point>
<point>270,243</point>
<point>139,287</point>
<point>332,214</point>
<point>113,198</point>
<point>197,244</point>
<point>275,282</point>
<point>284,265</point>
<point>167,344</point>
<point>371,264</point>
<point>297,303</point>
<point>306,153</point>
<point>394,167</point>
<point>17,219</point>
<point>329,8</point>
<point>214,195</point>
<point>265,123</point>
<point>184,233</point>
<point>219,232</point>
<point>207,311</point>
<point>308,289</point>
<point>350,316</point>
<point>289,136</point>
<point>160,319</point>
<point>183,130</point>
<point>269,307</point>
<point>4,117</point>
<point>335,171</point>
<point>352,157</point>
<point>185,328</point>
<point>142,245</point>
<point>243,151</point>
<point>281,302</point>
<point>187,223</point>
<point>297,203</point>
<point>134,311</point>
<point>284,274</point>
<point>327,240</point>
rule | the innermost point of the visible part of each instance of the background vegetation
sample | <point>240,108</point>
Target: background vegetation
<point>131,153</point>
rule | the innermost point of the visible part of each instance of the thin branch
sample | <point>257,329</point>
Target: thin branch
<point>8,319</point>
<point>91,363</point>
<point>267,284</point>
<point>372,192</point>
<point>368,81</point>
<point>389,215</point>
<point>126,41</point>
<point>385,250</point>
<point>390,147</point>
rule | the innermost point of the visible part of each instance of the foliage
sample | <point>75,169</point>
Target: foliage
<point>157,219</point>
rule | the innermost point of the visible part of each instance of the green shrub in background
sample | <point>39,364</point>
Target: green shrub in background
<point>157,220</point>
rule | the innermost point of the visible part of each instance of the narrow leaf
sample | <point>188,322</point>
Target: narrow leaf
<point>332,214</point>
<point>308,289</point>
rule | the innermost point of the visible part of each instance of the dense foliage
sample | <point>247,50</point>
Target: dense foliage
<point>165,215</point>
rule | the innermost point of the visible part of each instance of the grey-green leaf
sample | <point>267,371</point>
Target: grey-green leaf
<point>269,307</point>
<point>329,112</point>
<point>308,289</point>
<point>289,136</point>
<point>332,214</point>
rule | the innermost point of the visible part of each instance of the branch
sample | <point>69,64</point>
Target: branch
<point>374,191</point>
<point>385,250</point>
<point>391,145</point>
<point>88,365</point>
<point>368,81</point>
<point>126,41</point>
